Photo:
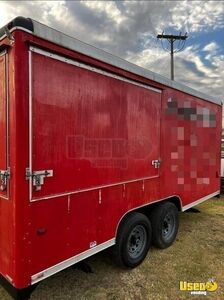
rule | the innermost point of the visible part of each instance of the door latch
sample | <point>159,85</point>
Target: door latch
<point>38,177</point>
<point>4,176</point>
<point>156,163</point>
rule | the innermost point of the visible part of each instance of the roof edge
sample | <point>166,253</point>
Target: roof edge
<point>45,32</point>
<point>21,22</point>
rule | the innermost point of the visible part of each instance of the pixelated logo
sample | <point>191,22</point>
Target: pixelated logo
<point>188,111</point>
<point>199,288</point>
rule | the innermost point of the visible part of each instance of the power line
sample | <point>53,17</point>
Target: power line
<point>172,39</point>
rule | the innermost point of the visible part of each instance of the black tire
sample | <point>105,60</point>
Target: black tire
<point>133,240</point>
<point>165,222</point>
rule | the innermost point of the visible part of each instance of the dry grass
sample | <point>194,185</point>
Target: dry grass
<point>197,255</point>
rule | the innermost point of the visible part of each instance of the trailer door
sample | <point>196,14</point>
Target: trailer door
<point>88,128</point>
<point>4,170</point>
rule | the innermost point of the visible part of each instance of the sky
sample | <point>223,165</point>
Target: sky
<point>129,28</point>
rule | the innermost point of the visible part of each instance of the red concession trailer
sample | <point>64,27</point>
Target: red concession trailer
<point>95,152</point>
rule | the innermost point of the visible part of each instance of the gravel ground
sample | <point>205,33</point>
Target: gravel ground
<point>197,255</point>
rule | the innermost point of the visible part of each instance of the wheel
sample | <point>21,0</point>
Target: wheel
<point>165,222</point>
<point>133,240</point>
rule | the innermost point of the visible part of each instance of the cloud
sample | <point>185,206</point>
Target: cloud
<point>211,47</point>
<point>197,16</point>
<point>115,26</point>
<point>109,8</point>
<point>190,68</point>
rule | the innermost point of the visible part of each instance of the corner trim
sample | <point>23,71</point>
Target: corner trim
<point>23,23</point>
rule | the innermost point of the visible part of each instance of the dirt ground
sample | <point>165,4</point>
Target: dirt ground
<point>196,256</point>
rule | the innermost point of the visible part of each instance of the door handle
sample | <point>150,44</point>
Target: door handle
<point>156,163</point>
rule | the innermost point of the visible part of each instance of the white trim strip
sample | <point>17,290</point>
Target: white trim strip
<point>93,69</point>
<point>91,189</point>
<point>147,204</point>
<point>200,200</point>
<point>30,125</point>
<point>67,263</point>
<point>5,54</point>
<point>7,121</point>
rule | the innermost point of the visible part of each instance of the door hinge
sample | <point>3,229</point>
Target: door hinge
<point>38,177</point>
<point>4,177</point>
<point>156,163</point>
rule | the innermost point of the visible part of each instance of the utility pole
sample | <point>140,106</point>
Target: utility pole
<point>172,39</point>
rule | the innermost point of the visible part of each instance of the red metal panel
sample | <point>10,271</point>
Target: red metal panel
<point>51,236</point>
<point>19,158</point>
<point>91,129</point>
<point>6,215</point>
